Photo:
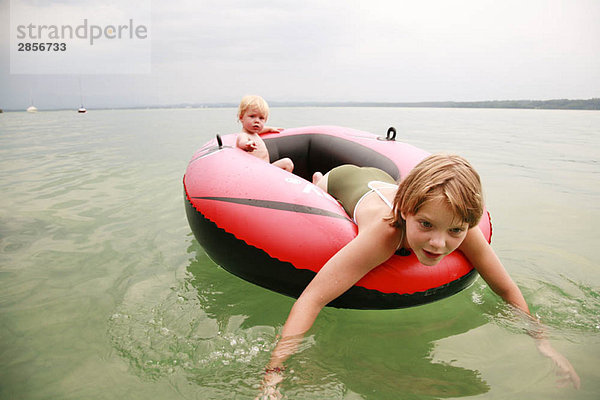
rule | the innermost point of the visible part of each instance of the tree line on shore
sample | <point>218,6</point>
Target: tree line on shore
<point>557,104</point>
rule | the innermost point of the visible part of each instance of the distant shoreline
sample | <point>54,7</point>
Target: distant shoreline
<point>557,104</point>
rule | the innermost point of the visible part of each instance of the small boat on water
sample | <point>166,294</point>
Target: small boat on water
<point>276,229</point>
<point>32,109</point>
<point>82,109</point>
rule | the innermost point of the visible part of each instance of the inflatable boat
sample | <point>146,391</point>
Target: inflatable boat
<point>276,229</point>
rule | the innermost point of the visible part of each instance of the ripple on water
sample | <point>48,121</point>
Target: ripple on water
<point>569,307</point>
<point>567,310</point>
<point>163,332</point>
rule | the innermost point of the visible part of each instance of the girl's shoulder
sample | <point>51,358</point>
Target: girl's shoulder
<point>375,221</point>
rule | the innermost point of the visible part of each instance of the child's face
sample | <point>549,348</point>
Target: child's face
<point>253,120</point>
<point>434,232</point>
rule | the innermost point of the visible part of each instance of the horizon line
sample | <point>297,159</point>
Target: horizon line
<point>559,104</point>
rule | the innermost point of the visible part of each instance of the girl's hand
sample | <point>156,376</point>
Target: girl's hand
<point>250,145</point>
<point>269,389</point>
<point>566,373</point>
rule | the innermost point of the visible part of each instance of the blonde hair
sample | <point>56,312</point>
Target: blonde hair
<point>253,101</point>
<point>440,176</point>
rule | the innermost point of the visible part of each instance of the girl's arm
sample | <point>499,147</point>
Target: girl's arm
<point>485,260</point>
<point>270,129</point>
<point>244,142</point>
<point>240,141</point>
<point>476,248</point>
<point>372,246</point>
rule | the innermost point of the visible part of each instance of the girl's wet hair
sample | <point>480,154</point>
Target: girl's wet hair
<point>253,101</point>
<point>441,176</point>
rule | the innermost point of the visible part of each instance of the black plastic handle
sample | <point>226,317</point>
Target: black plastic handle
<point>391,133</point>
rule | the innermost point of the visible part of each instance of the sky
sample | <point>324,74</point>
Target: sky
<point>205,51</point>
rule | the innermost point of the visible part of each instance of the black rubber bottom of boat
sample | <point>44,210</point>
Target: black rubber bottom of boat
<point>256,266</point>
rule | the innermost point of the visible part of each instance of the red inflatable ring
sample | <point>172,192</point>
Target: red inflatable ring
<point>277,229</point>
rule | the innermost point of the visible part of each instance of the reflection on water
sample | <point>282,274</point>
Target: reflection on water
<point>207,329</point>
<point>102,280</point>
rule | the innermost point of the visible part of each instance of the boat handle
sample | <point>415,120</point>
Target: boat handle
<point>391,133</point>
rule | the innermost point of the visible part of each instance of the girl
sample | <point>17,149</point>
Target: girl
<point>434,211</point>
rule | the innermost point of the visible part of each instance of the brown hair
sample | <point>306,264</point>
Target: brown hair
<point>445,176</point>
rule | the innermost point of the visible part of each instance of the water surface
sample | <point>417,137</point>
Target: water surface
<point>106,294</point>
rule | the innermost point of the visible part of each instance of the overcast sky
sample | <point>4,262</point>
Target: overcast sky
<point>338,50</point>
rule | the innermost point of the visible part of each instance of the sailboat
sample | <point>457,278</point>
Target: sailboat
<point>31,107</point>
<point>82,109</point>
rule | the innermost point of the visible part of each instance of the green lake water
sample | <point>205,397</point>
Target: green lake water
<point>105,293</point>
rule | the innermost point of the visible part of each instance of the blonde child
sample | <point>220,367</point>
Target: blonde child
<point>432,212</point>
<point>253,113</point>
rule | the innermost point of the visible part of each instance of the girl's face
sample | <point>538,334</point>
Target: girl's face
<point>253,120</point>
<point>434,232</point>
